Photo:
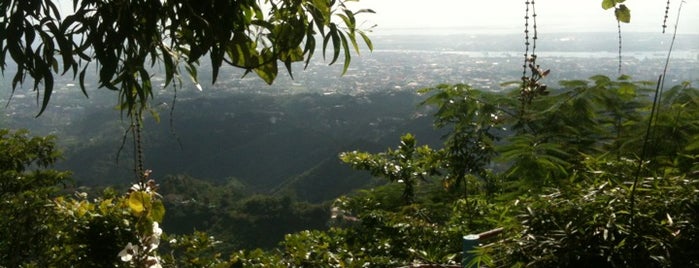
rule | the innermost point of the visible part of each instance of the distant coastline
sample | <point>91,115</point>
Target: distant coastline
<point>501,30</point>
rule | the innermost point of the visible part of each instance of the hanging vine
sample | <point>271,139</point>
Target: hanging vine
<point>618,24</point>
<point>667,11</point>
<point>622,14</point>
<point>140,173</point>
<point>138,150</point>
<point>531,71</point>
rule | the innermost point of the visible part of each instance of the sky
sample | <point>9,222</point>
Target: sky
<point>507,16</point>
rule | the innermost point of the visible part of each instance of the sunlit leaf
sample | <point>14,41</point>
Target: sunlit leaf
<point>368,42</point>
<point>623,14</point>
<point>138,201</point>
<point>607,4</point>
<point>267,72</point>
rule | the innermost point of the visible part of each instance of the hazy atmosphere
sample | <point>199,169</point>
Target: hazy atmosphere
<point>506,16</point>
<point>438,138</point>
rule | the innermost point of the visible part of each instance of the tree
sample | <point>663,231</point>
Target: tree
<point>124,39</point>
<point>473,120</point>
<point>41,227</point>
<point>25,217</point>
<point>408,164</point>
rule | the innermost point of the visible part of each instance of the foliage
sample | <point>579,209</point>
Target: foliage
<point>92,232</point>
<point>557,168</point>
<point>591,224</point>
<point>472,119</point>
<point>676,129</point>
<point>125,39</point>
<point>27,221</point>
<point>193,250</point>
<point>621,11</point>
<point>261,221</point>
<point>409,164</point>
<point>55,230</point>
<point>561,174</point>
<point>570,149</point>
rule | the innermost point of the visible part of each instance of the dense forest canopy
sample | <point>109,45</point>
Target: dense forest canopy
<point>599,170</point>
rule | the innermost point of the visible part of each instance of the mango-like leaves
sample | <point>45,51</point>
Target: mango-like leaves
<point>124,39</point>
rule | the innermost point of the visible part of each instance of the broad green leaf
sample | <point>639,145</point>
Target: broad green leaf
<point>607,4</point>
<point>105,205</point>
<point>623,14</point>
<point>138,201</point>
<point>157,211</point>
<point>267,72</point>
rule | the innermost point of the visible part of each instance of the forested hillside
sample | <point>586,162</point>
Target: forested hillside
<point>268,143</point>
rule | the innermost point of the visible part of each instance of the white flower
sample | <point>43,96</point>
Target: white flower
<point>152,243</point>
<point>156,229</point>
<point>136,187</point>
<point>153,262</point>
<point>128,252</point>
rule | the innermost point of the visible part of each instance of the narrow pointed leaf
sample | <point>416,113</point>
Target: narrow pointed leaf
<point>345,47</point>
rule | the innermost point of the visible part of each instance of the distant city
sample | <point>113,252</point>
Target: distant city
<point>408,63</point>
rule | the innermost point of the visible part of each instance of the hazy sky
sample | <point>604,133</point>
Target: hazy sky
<point>508,15</point>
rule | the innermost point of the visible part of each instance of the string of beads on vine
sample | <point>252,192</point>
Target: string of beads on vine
<point>667,11</point>
<point>532,72</point>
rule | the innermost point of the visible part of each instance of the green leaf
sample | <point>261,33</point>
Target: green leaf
<point>336,42</point>
<point>157,211</point>
<point>81,80</point>
<point>345,47</point>
<point>367,40</point>
<point>627,89</point>
<point>324,9</point>
<point>693,145</point>
<point>48,89</point>
<point>138,201</point>
<point>624,77</point>
<point>169,65</point>
<point>607,4</point>
<point>346,20</point>
<point>310,47</point>
<point>267,72</point>
<point>623,14</point>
